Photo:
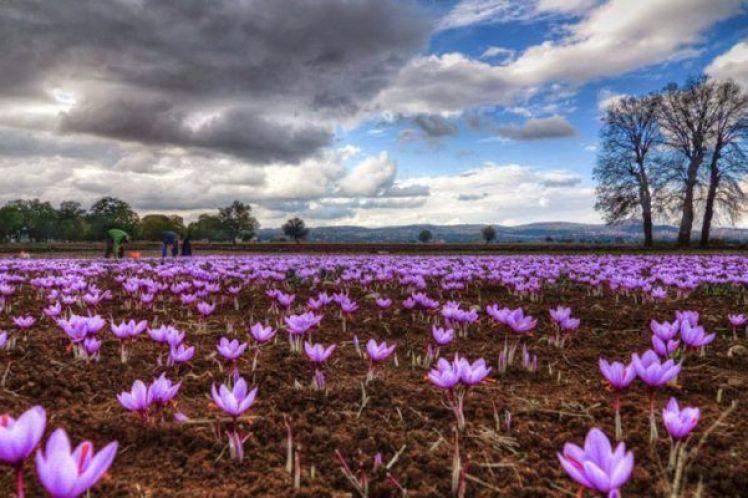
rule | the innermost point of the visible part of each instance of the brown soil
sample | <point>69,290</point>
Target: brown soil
<point>167,460</point>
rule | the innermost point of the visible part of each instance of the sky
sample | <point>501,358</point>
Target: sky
<point>341,112</point>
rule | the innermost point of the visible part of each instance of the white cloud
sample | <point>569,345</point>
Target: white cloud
<point>607,98</point>
<point>733,64</point>
<point>493,52</point>
<point>564,6</point>
<point>472,12</point>
<point>539,128</point>
<point>371,177</point>
<point>611,39</point>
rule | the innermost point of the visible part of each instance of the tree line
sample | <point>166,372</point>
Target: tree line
<point>678,155</point>
<point>40,221</point>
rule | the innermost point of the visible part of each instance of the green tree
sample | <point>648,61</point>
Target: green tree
<point>110,212</point>
<point>71,221</point>
<point>153,226</point>
<point>208,227</point>
<point>11,222</point>
<point>296,229</point>
<point>238,221</point>
<point>488,233</point>
<point>39,218</point>
<point>425,236</point>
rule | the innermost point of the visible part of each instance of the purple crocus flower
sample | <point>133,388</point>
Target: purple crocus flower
<point>24,322</point>
<point>665,330</point>
<point>618,375</point>
<point>236,400</point>
<point>446,375</point>
<point>691,317</point>
<point>384,302</point>
<point>162,390</point>
<point>472,373</point>
<point>664,348</point>
<point>19,437</point>
<point>137,400</point>
<point>231,349</point>
<point>560,313</point>
<point>694,336</point>
<point>261,333</point>
<point>679,423</point>
<point>442,336</point>
<point>597,466</point>
<point>3,338</point>
<point>181,354</point>
<point>378,352</point>
<point>737,320</point>
<point>205,309</point>
<point>652,371</point>
<point>54,310</point>
<point>300,324</point>
<point>317,353</point>
<point>570,324</point>
<point>69,474</point>
<point>519,323</point>
<point>129,329</point>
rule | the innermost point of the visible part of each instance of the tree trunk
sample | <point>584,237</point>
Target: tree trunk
<point>686,222</point>
<point>706,225</point>
<point>645,198</point>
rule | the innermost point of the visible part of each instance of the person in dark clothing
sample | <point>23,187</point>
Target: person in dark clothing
<point>186,246</point>
<point>170,239</point>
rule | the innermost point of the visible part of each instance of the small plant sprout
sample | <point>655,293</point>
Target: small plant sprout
<point>234,402</point>
<point>597,466</point>
<point>18,439</point>
<point>361,479</point>
<point>67,473</point>
<point>318,355</point>
<point>377,354</point>
<point>617,377</point>
<point>456,378</point>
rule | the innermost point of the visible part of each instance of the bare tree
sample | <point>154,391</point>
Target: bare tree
<point>728,163</point>
<point>687,116</point>
<point>624,186</point>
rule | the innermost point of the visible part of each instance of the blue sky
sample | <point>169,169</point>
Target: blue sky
<point>366,112</point>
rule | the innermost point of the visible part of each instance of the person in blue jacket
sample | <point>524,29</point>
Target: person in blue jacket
<point>170,239</point>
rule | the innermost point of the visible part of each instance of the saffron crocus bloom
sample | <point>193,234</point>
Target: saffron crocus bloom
<point>3,338</point>
<point>570,324</point>
<point>231,349</point>
<point>664,348</point>
<point>69,474</point>
<point>181,354</point>
<point>473,373</point>
<point>694,336</point>
<point>618,375</point>
<point>234,401</point>
<point>737,320</point>
<point>317,353</point>
<point>652,371</point>
<point>54,310</point>
<point>24,322</point>
<point>129,329</point>
<point>299,324</point>
<point>384,302</point>
<point>597,466</point>
<point>162,390</point>
<point>446,375</point>
<point>19,437</point>
<point>138,399</point>
<point>262,334</point>
<point>378,352</point>
<point>679,423</point>
<point>560,313</point>
<point>442,336</point>
<point>665,330</point>
<point>205,309</point>
<point>519,323</point>
<point>691,317</point>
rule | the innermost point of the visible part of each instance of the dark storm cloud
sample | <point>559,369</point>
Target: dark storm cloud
<point>23,144</point>
<point>537,129</point>
<point>262,63</point>
<point>236,132</point>
<point>435,126</point>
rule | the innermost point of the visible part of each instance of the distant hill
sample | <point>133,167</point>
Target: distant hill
<point>530,233</point>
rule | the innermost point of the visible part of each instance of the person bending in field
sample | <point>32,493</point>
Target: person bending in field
<point>170,240</point>
<point>115,242</point>
<point>187,246</point>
